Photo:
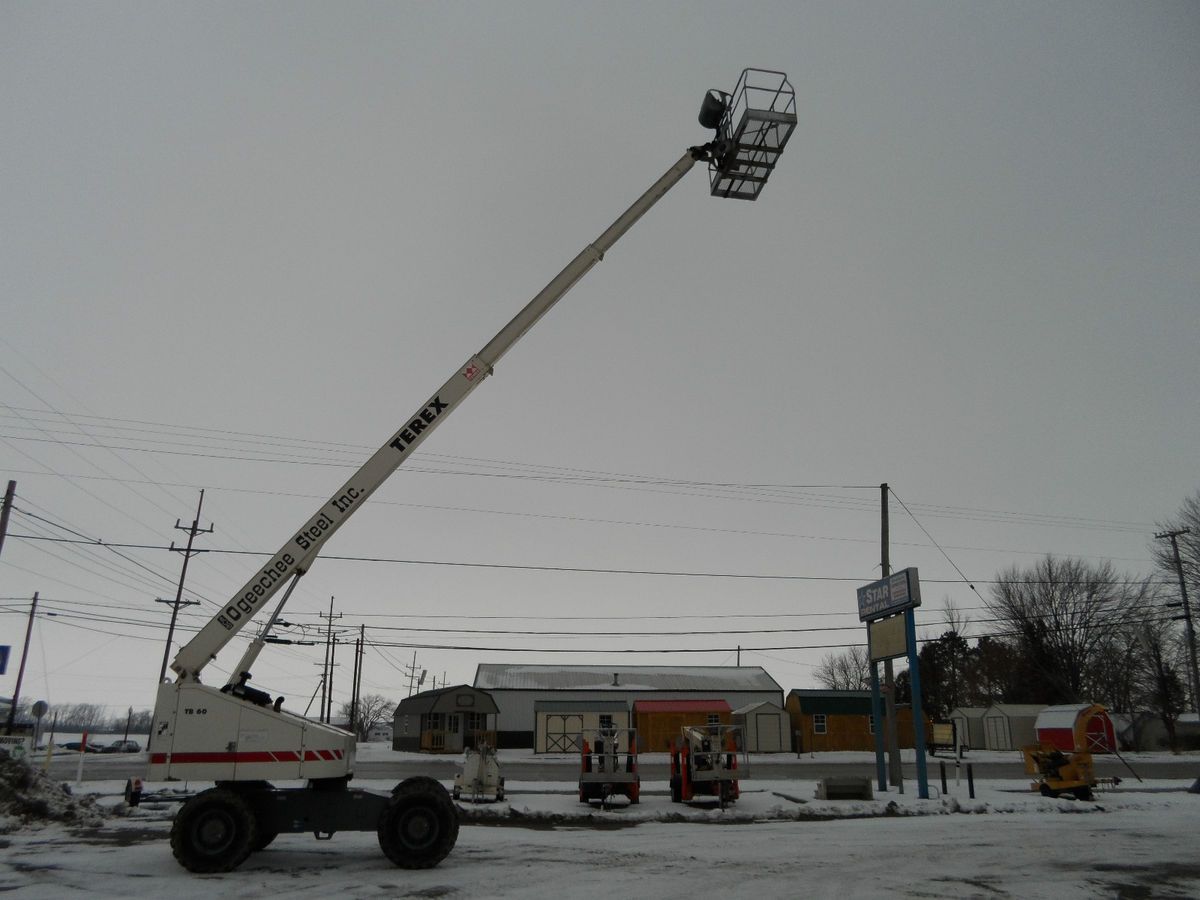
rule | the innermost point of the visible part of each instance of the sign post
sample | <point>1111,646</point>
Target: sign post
<point>887,607</point>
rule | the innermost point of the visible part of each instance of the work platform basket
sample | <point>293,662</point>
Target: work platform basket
<point>759,117</point>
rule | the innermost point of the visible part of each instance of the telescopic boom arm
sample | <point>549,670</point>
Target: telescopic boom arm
<point>298,554</point>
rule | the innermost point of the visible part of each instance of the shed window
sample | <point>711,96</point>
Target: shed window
<point>818,723</point>
<point>871,724</point>
<point>606,722</point>
<point>714,719</point>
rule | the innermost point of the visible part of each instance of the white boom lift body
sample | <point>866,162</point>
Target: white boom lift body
<point>236,735</point>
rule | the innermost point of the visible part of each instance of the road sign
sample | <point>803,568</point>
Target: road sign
<point>889,595</point>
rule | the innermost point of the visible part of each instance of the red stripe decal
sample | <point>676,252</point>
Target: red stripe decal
<point>257,756</point>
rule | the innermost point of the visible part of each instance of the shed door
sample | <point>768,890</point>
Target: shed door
<point>769,733</point>
<point>562,733</point>
<point>997,733</point>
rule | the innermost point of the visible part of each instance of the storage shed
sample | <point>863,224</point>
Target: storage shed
<point>824,720</point>
<point>1010,726</point>
<point>518,688</point>
<point>968,726</point>
<point>659,722</point>
<point>559,723</point>
<point>765,728</point>
<point>1077,726</point>
<point>445,721</point>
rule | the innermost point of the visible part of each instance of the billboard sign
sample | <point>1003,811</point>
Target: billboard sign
<point>889,595</point>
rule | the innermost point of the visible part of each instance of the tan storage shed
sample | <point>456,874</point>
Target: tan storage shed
<point>559,723</point>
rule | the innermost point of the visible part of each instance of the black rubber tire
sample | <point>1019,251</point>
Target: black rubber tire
<point>264,839</point>
<point>420,825</point>
<point>1083,793</point>
<point>213,832</point>
<point>676,790</point>
<point>1047,791</point>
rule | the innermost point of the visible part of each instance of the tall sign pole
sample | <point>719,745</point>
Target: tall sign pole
<point>895,770</point>
<point>887,608</point>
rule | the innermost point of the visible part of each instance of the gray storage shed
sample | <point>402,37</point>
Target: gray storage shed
<point>968,726</point>
<point>766,727</point>
<point>1010,726</point>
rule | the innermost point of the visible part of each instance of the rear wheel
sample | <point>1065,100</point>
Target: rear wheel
<point>419,827</point>
<point>213,832</point>
<point>676,789</point>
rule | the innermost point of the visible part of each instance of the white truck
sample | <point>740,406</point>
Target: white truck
<point>241,738</point>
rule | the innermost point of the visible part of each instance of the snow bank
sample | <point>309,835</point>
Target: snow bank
<point>29,797</point>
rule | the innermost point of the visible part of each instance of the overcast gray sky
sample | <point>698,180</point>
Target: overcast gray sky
<point>242,243</point>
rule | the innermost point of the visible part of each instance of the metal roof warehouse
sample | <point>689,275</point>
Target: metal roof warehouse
<point>517,687</point>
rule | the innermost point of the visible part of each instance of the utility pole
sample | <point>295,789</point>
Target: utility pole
<point>359,652</point>
<point>332,664</point>
<point>16,697</point>
<point>188,553</point>
<point>1187,613</point>
<point>327,669</point>
<point>6,509</point>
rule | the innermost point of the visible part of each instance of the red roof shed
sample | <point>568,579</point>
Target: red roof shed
<point>1077,727</point>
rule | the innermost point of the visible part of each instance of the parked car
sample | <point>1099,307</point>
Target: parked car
<point>77,745</point>
<point>123,747</point>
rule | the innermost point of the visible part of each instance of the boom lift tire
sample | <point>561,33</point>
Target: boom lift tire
<point>213,832</point>
<point>264,839</point>
<point>420,825</point>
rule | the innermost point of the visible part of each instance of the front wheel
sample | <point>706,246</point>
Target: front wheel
<point>419,827</point>
<point>213,832</point>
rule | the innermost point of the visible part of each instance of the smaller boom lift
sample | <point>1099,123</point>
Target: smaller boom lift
<point>605,769</point>
<point>479,780</point>
<point>704,763</point>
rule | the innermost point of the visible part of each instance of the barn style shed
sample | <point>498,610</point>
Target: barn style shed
<point>764,727</point>
<point>1085,726</point>
<point>445,721</point>
<point>1010,726</point>
<point>659,722</point>
<point>824,720</point>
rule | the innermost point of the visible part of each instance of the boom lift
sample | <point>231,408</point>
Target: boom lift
<point>704,763</point>
<point>605,769</point>
<point>242,738</point>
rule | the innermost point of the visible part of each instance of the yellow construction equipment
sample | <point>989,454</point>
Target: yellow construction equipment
<point>1058,773</point>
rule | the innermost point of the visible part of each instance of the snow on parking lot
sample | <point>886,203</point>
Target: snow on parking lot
<point>778,840</point>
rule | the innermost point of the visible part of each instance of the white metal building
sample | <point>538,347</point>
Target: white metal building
<point>516,688</point>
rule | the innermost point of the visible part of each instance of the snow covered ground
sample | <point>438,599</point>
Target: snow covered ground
<point>1137,840</point>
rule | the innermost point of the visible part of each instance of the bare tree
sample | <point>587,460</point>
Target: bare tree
<point>1061,613</point>
<point>372,709</point>
<point>848,671</point>
<point>1160,673</point>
